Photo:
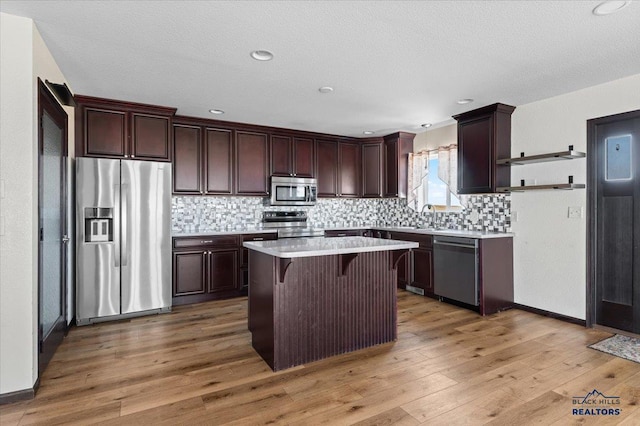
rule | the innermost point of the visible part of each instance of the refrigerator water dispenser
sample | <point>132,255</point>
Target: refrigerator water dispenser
<point>98,225</point>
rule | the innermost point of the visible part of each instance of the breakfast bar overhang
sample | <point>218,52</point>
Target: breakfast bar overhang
<point>313,298</point>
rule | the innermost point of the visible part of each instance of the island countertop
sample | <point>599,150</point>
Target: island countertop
<point>308,247</point>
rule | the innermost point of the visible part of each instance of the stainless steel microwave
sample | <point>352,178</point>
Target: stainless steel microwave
<point>292,191</point>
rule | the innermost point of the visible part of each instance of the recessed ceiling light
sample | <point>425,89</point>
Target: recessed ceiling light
<point>426,125</point>
<point>325,89</point>
<point>609,7</point>
<point>216,111</point>
<point>262,55</point>
<point>464,101</point>
<point>368,132</point>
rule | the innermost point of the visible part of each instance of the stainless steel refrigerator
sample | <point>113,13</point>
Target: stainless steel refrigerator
<point>123,239</point>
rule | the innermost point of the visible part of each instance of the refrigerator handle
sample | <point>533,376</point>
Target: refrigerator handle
<point>116,226</point>
<point>123,227</point>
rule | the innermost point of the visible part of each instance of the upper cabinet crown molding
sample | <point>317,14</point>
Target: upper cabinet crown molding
<point>484,136</point>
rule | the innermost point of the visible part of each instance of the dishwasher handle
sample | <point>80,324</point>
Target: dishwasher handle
<point>471,243</point>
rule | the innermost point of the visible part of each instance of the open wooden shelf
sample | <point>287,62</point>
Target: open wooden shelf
<point>565,186</point>
<point>542,158</point>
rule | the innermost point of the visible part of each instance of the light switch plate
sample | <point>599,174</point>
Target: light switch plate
<point>514,216</point>
<point>574,212</point>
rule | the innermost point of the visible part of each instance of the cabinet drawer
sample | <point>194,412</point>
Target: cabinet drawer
<point>344,233</point>
<point>206,241</point>
<point>425,241</point>
<point>260,237</point>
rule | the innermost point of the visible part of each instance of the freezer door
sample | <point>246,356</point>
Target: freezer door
<point>145,236</point>
<point>97,242</point>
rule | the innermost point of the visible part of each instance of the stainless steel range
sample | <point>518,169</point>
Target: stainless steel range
<point>291,224</point>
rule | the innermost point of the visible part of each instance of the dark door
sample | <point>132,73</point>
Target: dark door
<point>189,272</point>
<point>349,169</point>
<point>54,240</point>
<point>219,161</point>
<point>252,163</point>
<point>303,157</point>
<point>187,160</point>
<point>327,168</point>
<point>614,221</point>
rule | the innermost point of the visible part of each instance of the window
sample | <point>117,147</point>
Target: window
<point>436,192</point>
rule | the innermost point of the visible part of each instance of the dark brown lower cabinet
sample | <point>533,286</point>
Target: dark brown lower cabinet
<point>205,268</point>
<point>244,265</point>
<point>422,261</point>
<point>417,270</point>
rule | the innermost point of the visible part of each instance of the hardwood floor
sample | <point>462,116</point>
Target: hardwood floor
<point>449,366</point>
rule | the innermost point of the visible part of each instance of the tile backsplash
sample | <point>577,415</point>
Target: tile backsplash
<point>491,212</point>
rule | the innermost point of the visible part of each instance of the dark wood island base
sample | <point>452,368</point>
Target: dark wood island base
<point>305,309</point>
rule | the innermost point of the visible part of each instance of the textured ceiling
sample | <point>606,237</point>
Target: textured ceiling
<point>393,64</point>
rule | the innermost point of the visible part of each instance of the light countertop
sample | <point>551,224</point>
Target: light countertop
<point>410,230</point>
<point>307,247</point>
<point>233,232</point>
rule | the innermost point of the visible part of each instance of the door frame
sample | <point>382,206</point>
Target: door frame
<point>592,202</point>
<point>48,102</point>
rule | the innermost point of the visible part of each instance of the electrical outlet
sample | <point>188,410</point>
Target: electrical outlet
<point>574,213</point>
<point>514,216</point>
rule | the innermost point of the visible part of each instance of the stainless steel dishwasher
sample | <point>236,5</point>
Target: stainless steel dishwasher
<point>455,268</point>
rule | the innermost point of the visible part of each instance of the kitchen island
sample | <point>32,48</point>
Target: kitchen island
<point>312,298</point>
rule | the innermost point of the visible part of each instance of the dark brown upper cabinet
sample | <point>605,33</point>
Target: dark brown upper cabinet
<point>202,160</point>
<point>349,169</point>
<point>252,163</point>
<point>115,129</point>
<point>327,168</point>
<point>397,147</point>
<point>372,169</point>
<point>292,156</point>
<point>484,136</point>
<point>219,161</point>
<point>187,159</point>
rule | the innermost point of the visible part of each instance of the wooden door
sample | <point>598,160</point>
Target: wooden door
<point>281,153</point>
<point>349,169</point>
<point>150,137</point>
<point>475,156</point>
<point>423,269</point>
<point>372,170</point>
<point>105,132</point>
<point>187,160</point>
<point>189,272</point>
<point>223,270</point>
<point>218,161</point>
<point>252,163</point>
<point>327,168</point>
<point>303,157</point>
<point>614,221</point>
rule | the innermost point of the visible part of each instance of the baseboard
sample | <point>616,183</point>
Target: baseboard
<point>21,395</point>
<point>549,314</point>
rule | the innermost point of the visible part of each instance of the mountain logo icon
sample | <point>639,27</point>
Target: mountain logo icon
<point>594,395</point>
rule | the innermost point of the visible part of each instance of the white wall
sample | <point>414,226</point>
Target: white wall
<point>18,244</point>
<point>23,58</point>
<point>550,249</point>
<point>433,138</point>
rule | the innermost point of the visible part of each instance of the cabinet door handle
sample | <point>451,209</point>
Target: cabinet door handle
<point>258,239</point>
<point>206,241</point>
<point>342,235</point>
